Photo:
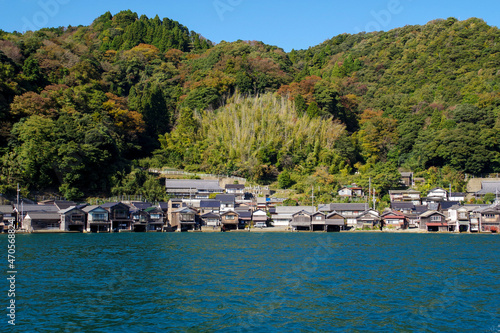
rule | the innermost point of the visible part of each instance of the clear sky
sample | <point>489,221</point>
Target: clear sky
<point>290,24</point>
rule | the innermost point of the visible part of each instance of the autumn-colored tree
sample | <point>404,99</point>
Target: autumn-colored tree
<point>378,134</point>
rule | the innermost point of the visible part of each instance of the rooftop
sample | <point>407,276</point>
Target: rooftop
<point>430,212</point>
<point>210,203</point>
<point>348,206</point>
<point>91,208</point>
<point>489,187</point>
<point>402,205</point>
<point>198,184</point>
<point>226,198</point>
<point>291,209</point>
<point>44,216</point>
<point>235,186</point>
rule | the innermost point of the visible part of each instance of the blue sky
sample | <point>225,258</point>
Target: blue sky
<point>289,24</point>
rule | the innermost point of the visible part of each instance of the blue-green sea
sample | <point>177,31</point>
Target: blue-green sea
<point>255,282</point>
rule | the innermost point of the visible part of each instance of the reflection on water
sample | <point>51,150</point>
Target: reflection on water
<point>257,282</point>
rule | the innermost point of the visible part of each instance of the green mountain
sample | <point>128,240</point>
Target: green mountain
<point>84,110</point>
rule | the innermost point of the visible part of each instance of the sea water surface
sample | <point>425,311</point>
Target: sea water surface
<point>256,282</point>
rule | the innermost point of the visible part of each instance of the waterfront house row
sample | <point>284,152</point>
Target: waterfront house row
<point>433,217</point>
<point>229,213</point>
<point>177,214</point>
<point>108,217</point>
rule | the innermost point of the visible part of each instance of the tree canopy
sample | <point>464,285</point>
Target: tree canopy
<point>83,107</point>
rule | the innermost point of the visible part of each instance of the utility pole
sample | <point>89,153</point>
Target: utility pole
<point>374,199</point>
<point>17,224</point>
<point>312,198</point>
<point>369,190</point>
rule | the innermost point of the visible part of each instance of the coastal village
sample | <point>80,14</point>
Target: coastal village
<point>205,205</point>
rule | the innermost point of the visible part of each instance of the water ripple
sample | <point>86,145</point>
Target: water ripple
<point>280,282</point>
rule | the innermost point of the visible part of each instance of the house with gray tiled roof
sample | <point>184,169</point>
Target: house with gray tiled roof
<point>97,219</point>
<point>349,210</point>
<point>488,187</point>
<point>490,218</point>
<point>192,188</point>
<point>282,215</point>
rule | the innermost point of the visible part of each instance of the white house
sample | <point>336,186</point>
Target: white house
<point>437,194</point>
<point>457,196</point>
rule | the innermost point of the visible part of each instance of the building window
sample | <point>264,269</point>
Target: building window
<point>436,218</point>
<point>99,216</point>
<point>187,217</point>
<point>318,218</point>
<point>121,214</point>
<point>229,217</point>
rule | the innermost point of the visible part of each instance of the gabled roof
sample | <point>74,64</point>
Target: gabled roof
<point>369,213</point>
<point>63,204</point>
<point>259,212</point>
<point>492,209</point>
<point>44,216</point>
<point>291,209</point>
<point>110,204</point>
<point>195,184</point>
<point>210,215</point>
<point>235,186</point>
<point>458,194</point>
<point>210,203</point>
<point>348,206</point>
<point>445,205</point>
<point>419,209</point>
<point>226,198</point>
<point>88,209</point>
<point>489,187</point>
<point>318,213</point>
<point>69,209</point>
<point>185,210</point>
<point>245,215</point>
<point>438,189</point>
<point>332,214</point>
<point>163,205</point>
<point>431,212</point>
<point>303,212</point>
<point>60,204</point>
<point>402,205</point>
<point>36,208</point>
<point>393,214</point>
<point>141,205</point>
<point>456,207</point>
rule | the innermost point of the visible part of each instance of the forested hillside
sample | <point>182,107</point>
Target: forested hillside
<point>85,110</point>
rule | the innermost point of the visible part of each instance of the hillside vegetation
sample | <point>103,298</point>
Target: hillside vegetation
<point>85,110</point>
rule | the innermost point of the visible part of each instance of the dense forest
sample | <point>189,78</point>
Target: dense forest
<point>86,110</point>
